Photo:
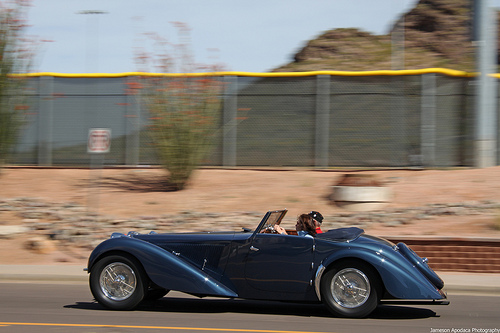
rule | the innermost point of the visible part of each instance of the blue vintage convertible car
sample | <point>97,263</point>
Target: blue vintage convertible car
<point>347,270</point>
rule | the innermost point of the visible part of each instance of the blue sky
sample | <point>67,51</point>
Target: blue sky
<point>253,36</point>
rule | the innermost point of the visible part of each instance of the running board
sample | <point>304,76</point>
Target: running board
<point>416,302</point>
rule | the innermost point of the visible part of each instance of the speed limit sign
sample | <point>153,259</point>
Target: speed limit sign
<point>99,140</point>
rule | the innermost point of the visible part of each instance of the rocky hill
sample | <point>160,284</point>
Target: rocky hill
<point>437,33</point>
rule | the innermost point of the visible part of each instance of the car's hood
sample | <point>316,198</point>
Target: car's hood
<point>189,237</point>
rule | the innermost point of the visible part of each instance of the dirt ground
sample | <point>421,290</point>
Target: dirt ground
<point>125,193</point>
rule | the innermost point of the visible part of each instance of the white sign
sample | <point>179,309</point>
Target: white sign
<point>99,140</point>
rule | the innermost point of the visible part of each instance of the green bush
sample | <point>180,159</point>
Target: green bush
<point>15,56</point>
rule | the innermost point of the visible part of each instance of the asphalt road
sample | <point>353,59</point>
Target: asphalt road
<point>26,307</point>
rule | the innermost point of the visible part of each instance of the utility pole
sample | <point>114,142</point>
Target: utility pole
<point>91,65</point>
<point>92,37</point>
<point>486,131</point>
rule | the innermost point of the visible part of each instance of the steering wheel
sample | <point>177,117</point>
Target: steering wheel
<point>270,229</point>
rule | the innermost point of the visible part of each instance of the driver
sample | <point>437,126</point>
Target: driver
<point>305,226</point>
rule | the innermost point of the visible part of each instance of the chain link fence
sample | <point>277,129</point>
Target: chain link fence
<point>314,120</point>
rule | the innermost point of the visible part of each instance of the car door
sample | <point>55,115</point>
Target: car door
<point>280,263</point>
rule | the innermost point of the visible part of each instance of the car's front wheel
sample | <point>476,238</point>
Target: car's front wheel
<point>351,290</point>
<point>118,282</point>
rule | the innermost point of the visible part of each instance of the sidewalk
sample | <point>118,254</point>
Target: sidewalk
<point>456,283</point>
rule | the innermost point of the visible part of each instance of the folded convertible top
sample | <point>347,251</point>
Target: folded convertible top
<point>341,234</point>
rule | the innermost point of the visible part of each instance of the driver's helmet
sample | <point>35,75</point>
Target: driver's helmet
<point>317,216</point>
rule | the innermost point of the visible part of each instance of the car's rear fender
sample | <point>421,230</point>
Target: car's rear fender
<point>399,277</point>
<point>165,269</point>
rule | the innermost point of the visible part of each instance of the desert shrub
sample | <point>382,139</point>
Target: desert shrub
<point>185,118</point>
<point>185,109</point>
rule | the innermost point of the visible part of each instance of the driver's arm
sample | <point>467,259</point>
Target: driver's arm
<point>280,230</point>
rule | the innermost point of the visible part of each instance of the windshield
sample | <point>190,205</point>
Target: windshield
<point>272,218</point>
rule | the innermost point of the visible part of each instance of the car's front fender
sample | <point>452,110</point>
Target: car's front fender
<point>400,278</point>
<point>163,268</point>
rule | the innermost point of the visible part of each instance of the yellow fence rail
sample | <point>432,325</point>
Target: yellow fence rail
<point>443,71</point>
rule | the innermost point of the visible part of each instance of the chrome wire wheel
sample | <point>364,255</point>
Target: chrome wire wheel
<point>118,281</point>
<point>350,288</point>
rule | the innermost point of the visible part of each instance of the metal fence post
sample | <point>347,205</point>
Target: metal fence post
<point>45,120</point>
<point>399,153</point>
<point>133,126</point>
<point>322,121</point>
<point>428,120</point>
<point>229,115</point>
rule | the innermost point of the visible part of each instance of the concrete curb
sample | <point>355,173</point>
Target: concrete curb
<point>460,283</point>
<point>43,273</point>
<point>456,283</point>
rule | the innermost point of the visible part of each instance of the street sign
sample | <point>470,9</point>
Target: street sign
<point>99,140</point>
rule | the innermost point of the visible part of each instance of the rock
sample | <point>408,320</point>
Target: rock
<point>86,231</point>
<point>9,231</point>
<point>361,198</point>
<point>40,245</point>
<point>394,223</point>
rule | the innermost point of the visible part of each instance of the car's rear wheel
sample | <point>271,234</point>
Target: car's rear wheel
<point>351,290</point>
<point>118,282</point>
